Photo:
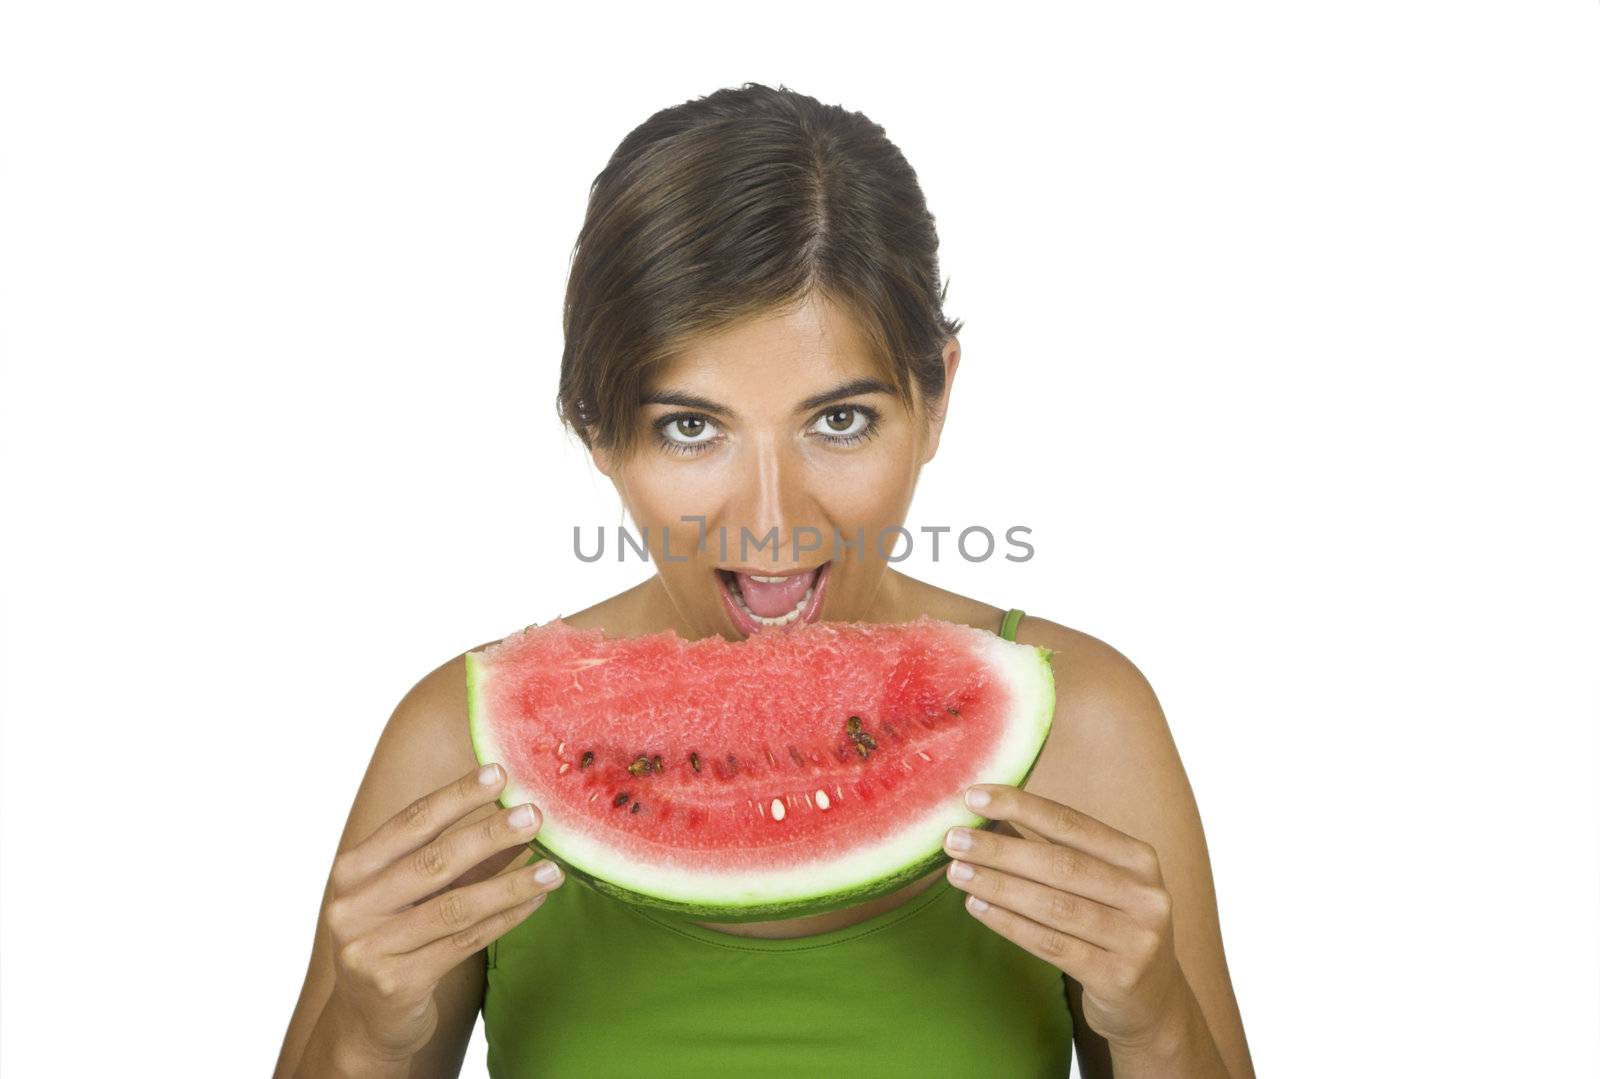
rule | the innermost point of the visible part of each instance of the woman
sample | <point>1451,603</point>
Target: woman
<point>755,341</point>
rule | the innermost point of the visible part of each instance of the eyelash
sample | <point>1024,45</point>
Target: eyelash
<point>871,429</point>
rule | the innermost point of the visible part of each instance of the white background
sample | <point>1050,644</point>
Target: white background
<point>1281,335</point>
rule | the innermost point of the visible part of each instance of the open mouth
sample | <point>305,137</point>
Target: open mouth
<point>764,602</point>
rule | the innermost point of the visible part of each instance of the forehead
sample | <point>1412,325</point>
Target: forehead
<point>814,344</point>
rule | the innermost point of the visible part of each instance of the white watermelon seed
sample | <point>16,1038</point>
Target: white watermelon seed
<point>822,799</point>
<point>777,809</point>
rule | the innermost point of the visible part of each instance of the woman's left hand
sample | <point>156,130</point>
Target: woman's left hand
<point>1087,899</point>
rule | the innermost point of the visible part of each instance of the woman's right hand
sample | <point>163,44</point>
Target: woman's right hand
<point>398,929</point>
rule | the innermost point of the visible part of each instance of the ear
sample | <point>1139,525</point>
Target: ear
<point>941,408</point>
<point>609,465</point>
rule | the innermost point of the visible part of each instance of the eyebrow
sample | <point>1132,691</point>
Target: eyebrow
<point>853,388</point>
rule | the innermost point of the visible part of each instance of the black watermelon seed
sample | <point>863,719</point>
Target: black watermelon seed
<point>861,749</point>
<point>635,808</point>
<point>866,740</point>
<point>588,759</point>
<point>952,711</point>
<point>694,762</point>
<point>657,763</point>
<point>621,799</point>
<point>640,766</point>
<point>854,723</point>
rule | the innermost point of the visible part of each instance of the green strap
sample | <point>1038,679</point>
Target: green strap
<point>1008,627</point>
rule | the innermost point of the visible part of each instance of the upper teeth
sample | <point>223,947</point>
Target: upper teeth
<point>767,580</point>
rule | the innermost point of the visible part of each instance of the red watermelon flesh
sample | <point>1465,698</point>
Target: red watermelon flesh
<point>772,777</point>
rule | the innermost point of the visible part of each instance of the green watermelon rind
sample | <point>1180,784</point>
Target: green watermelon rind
<point>482,745</point>
<point>1032,681</point>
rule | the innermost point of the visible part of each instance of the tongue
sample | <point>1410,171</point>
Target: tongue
<point>777,598</point>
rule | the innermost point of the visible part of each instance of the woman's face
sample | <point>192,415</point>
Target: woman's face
<point>756,430</point>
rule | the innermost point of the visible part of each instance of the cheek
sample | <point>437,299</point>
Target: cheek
<point>659,497</point>
<point>875,488</point>
<point>660,494</point>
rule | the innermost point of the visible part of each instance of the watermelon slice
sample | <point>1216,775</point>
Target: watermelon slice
<point>772,777</point>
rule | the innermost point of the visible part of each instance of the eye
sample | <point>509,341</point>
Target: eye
<point>692,432</point>
<point>684,432</point>
<point>846,425</point>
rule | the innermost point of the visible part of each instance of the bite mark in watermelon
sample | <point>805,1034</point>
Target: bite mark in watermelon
<point>773,777</point>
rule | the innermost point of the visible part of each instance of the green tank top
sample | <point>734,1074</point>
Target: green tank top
<point>588,986</point>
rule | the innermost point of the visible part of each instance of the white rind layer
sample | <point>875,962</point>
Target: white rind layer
<point>1024,669</point>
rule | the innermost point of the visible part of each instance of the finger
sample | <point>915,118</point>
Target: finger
<point>423,820</point>
<point>433,961</point>
<point>1095,923</point>
<point>1064,824</point>
<point>1064,868</point>
<point>491,866</point>
<point>459,909</point>
<point>438,862</point>
<point>1089,964</point>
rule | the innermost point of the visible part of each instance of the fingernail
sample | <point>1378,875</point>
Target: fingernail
<point>547,874</point>
<point>522,816</point>
<point>960,871</point>
<point>958,839</point>
<point>977,799</point>
<point>488,774</point>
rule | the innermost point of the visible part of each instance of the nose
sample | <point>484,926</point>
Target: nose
<point>773,497</point>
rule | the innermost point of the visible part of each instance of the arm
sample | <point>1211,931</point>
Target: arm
<point>337,1048</point>
<point>424,745</point>
<point>1112,756</point>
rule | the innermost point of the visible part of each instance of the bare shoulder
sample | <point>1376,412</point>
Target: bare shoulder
<point>437,708</point>
<point>426,745</point>
<point>1110,752</point>
<point>1108,723</point>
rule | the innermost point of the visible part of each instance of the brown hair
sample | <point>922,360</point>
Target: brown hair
<point>745,202</point>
